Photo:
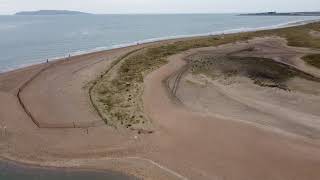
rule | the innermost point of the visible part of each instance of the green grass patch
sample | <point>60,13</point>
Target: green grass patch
<point>313,60</point>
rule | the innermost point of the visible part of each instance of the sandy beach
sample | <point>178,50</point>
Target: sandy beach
<point>203,125</point>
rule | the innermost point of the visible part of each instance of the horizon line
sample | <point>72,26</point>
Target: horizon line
<point>159,13</point>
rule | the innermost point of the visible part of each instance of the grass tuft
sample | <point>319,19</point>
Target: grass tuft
<point>313,60</point>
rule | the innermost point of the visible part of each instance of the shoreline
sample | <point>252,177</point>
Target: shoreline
<point>161,39</point>
<point>34,166</point>
<point>68,161</point>
<point>126,163</point>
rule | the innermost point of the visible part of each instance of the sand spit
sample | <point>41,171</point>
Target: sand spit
<point>69,132</point>
<point>205,128</point>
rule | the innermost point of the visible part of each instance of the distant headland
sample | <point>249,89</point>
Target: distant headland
<point>283,14</point>
<point>50,12</point>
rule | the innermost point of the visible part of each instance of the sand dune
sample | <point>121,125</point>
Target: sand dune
<point>290,106</point>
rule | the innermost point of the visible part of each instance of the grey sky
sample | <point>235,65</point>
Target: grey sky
<point>161,6</point>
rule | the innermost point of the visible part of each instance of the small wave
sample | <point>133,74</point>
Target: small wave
<point>10,26</point>
<point>14,67</point>
<point>4,27</point>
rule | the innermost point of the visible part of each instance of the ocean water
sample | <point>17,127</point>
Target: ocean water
<point>12,171</point>
<point>26,40</point>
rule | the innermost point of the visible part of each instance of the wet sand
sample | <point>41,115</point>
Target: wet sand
<point>14,171</point>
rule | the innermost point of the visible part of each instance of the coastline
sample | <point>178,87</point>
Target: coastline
<point>160,39</point>
<point>124,165</point>
<point>29,166</point>
<point>130,47</point>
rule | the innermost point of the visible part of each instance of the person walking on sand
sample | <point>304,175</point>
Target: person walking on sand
<point>47,60</point>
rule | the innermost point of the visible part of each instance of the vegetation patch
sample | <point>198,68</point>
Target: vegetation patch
<point>296,36</point>
<point>313,60</point>
<point>264,72</point>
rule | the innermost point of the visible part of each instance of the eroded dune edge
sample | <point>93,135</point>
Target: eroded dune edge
<point>237,106</point>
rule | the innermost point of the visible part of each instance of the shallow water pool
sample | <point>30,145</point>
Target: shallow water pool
<point>13,171</point>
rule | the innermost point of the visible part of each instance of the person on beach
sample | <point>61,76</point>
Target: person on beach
<point>47,60</point>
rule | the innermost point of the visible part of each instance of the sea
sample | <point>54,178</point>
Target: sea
<point>27,40</point>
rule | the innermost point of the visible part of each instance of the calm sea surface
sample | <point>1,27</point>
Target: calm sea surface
<point>26,40</point>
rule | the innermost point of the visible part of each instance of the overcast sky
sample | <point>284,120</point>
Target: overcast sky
<point>160,6</point>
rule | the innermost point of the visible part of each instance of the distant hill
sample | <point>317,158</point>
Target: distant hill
<point>283,14</point>
<point>50,12</point>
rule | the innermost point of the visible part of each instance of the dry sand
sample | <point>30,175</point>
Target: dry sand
<point>187,144</point>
